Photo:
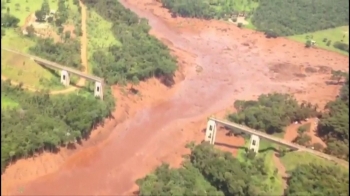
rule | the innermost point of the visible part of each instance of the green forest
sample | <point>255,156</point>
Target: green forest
<point>139,56</point>
<point>209,171</point>
<point>44,122</point>
<point>271,112</point>
<point>283,18</point>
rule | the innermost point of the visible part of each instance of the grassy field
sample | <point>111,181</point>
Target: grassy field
<point>99,34</point>
<point>293,159</point>
<point>273,183</point>
<point>335,34</point>
<point>7,102</point>
<point>240,5</point>
<point>23,8</point>
<point>23,69</point>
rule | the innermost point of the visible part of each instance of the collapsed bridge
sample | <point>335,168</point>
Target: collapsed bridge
<point>255,139</point>
<point>65,72</point>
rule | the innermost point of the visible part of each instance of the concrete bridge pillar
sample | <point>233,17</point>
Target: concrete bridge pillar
<point>254,143</point>
<point>210,132</point>
<point>98,90</point>
<point>65,80</point>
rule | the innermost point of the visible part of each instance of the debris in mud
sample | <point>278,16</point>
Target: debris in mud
<point>324,69</point>
<point>310,70</point>
<point>199,69</point>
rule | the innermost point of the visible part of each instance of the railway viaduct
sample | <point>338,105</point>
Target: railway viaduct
<point>210,135</point>
<point>65,72</point>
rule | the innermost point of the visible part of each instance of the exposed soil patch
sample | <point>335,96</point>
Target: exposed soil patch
<point>46,30</point>
<point>149,131</point>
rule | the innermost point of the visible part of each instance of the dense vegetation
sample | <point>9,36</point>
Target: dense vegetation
<point>334,124</point>
<point>315,180</point>
<point>272,112</point>
<point>276,18</point>
<point>43,122</point>
<point>139,56</point>
<point>208,172</point>
<point>293,17</point>
<point>212,172</point>
<point>59,51</point>
<point>195,8</point>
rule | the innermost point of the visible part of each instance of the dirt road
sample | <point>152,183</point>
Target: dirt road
<point>237,64</point>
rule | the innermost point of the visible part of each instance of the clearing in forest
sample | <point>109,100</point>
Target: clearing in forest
<point>326,38</point>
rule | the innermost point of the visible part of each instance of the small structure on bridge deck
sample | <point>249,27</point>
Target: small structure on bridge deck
<point>210,135</point>
<point>254,143</point>
<point>98,92</point>
<point>65,80</point>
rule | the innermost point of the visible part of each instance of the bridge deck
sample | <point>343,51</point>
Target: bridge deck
<point>57,66</point>
<point>279,141</point>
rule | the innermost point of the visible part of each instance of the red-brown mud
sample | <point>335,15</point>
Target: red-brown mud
<point>236,64</point>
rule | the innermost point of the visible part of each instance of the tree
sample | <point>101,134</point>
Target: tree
<point>45,8</point>
<point>9,21</point>
<point>314,179</point>
<point>40,16</point>
<point>308,43</point>
<point>338,75</point>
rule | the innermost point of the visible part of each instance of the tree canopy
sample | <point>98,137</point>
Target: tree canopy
<point>334,124</point>
<point>65,53</point>
<point>277,18</point>
<point>271,112</point>
<point>293,17</point>
<point>44,122</point>
<point>209,171</point>
<point>316,180</point>
<point>139,55</point>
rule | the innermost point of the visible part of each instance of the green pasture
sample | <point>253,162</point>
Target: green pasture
<point>7,102</point>
<point>340,34</point>
<point>99,34</point>
<point>22,69</point>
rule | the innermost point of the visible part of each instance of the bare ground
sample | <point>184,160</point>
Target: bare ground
<point>237,64</point>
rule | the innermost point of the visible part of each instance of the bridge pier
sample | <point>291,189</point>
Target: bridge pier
<point>254,143</point>
<point>210,132</point>
<point>210,135</point>
<point>98,92</point>
<point>65,80</point>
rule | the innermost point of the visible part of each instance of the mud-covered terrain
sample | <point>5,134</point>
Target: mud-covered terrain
<point>219,64</point>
